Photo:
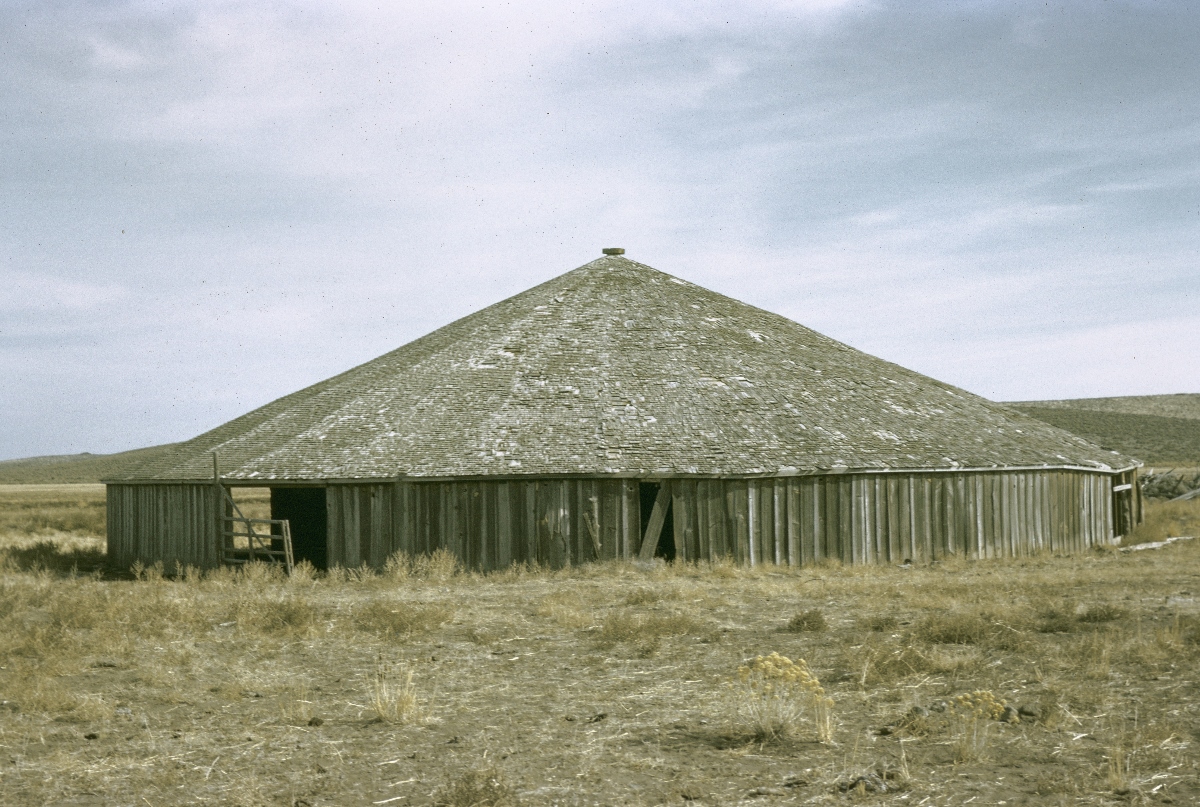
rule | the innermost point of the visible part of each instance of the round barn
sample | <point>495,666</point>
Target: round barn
<point>619,412</point>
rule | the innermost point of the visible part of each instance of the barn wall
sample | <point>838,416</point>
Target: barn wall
<point>168,523</point>
<point>853,518</point>
<point>489,525</point>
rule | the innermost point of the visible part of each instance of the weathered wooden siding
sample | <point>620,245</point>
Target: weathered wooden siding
<point>489,525</point>
<point>168,523</point>
<point>853,518</point>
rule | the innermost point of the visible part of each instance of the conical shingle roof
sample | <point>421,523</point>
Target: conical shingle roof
<point>617,368</point>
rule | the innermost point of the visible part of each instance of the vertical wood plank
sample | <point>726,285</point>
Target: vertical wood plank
<point>793,522</point>
<point>703,533</point>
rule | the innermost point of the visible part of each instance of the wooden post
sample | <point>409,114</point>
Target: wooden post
<point>657,517</point>
<point>218,509</point>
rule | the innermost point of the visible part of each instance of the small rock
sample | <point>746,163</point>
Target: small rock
<point>91,735</point>
<point>918,711</point>
<point>868,783</point>
<point>1010,715</point>
<point>1030,712</point>
<point>455,740</point>
<point>766,791</point>
<point>106,663</point>
<point>796,780</point>
<point>315,721</point>
<point>250,693</point>
<point>596,718</point>
<point>123,711</point>
<point>938,706</point>
<point>11,706</point>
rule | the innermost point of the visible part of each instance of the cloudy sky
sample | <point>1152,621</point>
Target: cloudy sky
<point>208,205</point>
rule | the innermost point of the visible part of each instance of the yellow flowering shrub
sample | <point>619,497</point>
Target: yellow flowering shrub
<point>972,715</point>
<point>981,704</point>
<point>777,694</point>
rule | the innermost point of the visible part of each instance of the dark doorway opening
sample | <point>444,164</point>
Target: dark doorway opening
<point>647,493</point>
<point>304,508</point>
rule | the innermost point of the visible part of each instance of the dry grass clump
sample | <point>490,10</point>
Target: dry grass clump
<point>393,618</point>
<point>566,608</point>
<point>52,697</point>
<point>878,623</point>
<point>1057,619</point>
<point>438,567</point>
<point>955,628</point>
<point>645,631</point>
<point>303,574</point>
<point>1138,749</point>
<point>287,614</point>
<point>393,694</point>
<point>1099,613</point>
<point>1185,630</point>
<point>296,705</point>
<point>812,620</point>
<point>642,596</point>
<point>773,696</point>
<point>887,663</point>
<point>972,628</point>
<point>477,788</point>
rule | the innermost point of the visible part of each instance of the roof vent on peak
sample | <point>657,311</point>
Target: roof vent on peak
<point>613,250</point>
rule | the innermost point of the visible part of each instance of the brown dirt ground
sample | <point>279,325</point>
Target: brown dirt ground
<point>608,684</point>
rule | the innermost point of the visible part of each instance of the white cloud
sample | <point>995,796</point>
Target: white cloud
<point>980,193</point>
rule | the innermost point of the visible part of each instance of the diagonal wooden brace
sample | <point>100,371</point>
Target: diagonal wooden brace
<point>657,516</point>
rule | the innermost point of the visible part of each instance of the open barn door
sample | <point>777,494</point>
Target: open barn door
<point>304,510</point>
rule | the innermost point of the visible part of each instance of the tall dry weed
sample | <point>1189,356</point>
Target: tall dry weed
<point>393,695</point>
<point>438,567</point>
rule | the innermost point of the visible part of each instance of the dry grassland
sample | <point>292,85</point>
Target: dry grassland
<point>1044,681</point>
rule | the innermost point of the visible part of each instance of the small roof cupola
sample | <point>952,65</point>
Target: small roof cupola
<point>613,250</point>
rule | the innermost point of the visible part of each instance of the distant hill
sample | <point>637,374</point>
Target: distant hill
<point>1184,405</point>
<point>1157,429</point>
<point>74,468</point>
